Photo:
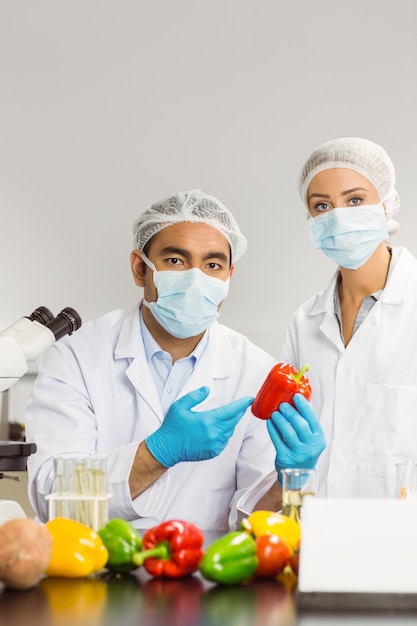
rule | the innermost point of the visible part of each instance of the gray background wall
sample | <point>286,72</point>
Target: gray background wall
<point>109,105</point>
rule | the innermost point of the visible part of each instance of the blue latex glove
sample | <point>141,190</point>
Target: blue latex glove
<point>297,435</point>
<point>187,435</point>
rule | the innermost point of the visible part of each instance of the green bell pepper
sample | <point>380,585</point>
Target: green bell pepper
<point>231,559</point>
<point>122,541</point>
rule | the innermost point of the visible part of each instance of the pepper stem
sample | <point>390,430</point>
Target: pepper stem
<point>297,377</point>
<point>246,526</point>
<point>161,551</point>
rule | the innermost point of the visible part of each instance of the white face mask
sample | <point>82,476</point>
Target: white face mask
<point>187,300</point>
<point>349,235</point>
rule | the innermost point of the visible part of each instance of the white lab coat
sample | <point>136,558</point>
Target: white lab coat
<point>365,394</point>
<point>95,395</point>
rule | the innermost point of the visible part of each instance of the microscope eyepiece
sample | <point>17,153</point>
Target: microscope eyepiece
<point>65,323</point>
<point>41,315</point>
<point>28,337</point>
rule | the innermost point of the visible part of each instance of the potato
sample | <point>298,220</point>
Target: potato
<point>25,552</point>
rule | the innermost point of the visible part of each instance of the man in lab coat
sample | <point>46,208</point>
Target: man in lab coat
<point>161,392</point>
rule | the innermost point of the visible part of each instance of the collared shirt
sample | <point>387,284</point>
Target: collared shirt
<point>169,378</point>
<point>366,305</point>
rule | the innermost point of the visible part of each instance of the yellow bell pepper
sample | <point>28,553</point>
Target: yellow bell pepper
<point>269,523</point>
<point>77,550</point>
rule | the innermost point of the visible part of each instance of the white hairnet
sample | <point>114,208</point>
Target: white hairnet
<point>189,206</point>
<point>363,156</point>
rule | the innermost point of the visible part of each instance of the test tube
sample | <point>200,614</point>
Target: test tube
<point>80,490</point>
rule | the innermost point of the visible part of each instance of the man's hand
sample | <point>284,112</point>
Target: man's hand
<point>187,435</point>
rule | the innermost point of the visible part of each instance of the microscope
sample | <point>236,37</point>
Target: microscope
<point>20,343</point>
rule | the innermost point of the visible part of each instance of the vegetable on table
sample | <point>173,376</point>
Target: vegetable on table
<point>25,551</point>
<point>273,554</point>
<point>270,523</point>
<point>231,559</point>
<point>172,549</point>
<point>122,541</point>
<point>282,382</point>
<point>77,551</point>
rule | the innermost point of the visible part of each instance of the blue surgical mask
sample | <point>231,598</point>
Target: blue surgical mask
<point>187,300</point>
<point>349,235</point>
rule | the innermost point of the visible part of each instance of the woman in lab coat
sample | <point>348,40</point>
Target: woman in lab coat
<point>359,335</point>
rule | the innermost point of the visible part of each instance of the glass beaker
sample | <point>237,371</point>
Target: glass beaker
<point>80,491</point>
<point>297,483</point>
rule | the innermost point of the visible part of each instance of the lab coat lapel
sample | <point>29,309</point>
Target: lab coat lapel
<point>213,367</point>
<point>324,305</point>
<point>402,279</point>
<point>130,346</point>
<point>140,376</point>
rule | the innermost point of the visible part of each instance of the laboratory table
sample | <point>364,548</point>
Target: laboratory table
<point>137,599</point>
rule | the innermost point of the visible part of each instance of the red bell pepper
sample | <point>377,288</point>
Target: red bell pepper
<point>282,382</point>
<point>173,549</point>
